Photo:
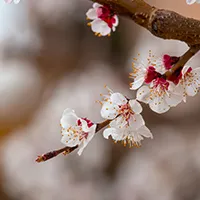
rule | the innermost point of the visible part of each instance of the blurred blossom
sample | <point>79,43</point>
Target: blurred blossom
<point>17,30</point>
<point>73,174</point>
<point>20,90</point>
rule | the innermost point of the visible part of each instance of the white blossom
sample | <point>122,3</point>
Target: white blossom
<point>189,82</point>
<point>103,21</point>
<point>75,130</point>
<point>127,124</point>
<point>161,95</point>
<point>150,69</point>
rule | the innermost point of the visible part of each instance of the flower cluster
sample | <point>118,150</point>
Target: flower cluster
<point>104,21</point>
<point>126,124</point>
<point>159,91</point>
<point>157,81</point>
<point>192,1</point>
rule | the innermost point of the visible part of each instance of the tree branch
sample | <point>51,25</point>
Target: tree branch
<point>67,150</point>
<point>161,23</point>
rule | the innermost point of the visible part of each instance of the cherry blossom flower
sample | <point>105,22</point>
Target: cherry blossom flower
<point>161,95</point>
<point>12,1</point>
<point>192,1</point>
<point>127,123</point>
<point>188,81</point>
<point>103,20</point>
<point>152,68</point>
<point>75,130</point>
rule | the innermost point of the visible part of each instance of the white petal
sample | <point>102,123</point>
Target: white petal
<point>85,142</point>
<point>113,132</point>
<point>84,125</point>
<point>144,131</point>
<point>69,118</point>
<point>143,94</point>
<point>190,1</point>
<point>173,99</point>
<point>96,25</point>
<point>191,90</point>
<point>137,83</point>
<point>136,121</point>
<point>106,30</point>
<point>159,105</point>
<point>109,131</point>
<point>135,106</point>
<point>109,110</point>
<point>96,5</point>
<point>117,98</point>
<point>69,140</point>
<point>91,14</point>
<point>119,122</point>
<point>99,26</point>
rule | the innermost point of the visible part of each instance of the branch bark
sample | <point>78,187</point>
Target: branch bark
<point>161,23</point>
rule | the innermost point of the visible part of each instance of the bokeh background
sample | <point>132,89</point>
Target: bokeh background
<point>50,60</point>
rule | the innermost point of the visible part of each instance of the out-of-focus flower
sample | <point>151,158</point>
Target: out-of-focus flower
<point>12,1</point>
<point>104,21</point>
<point>161,95</point>
<point>75,130</point>
<point>192,1</point>
<point>189,81</point>
<point>127,124</point>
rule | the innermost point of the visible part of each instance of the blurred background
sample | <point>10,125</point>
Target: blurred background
<point>51,60</point>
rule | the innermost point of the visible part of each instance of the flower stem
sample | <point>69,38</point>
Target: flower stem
<point>67,150</point>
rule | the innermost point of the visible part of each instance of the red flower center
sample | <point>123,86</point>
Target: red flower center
<point>169,61</point>
<point>162,83</point>
<point>105,14</point>
<point>151,75</point>
<point>89,124</point>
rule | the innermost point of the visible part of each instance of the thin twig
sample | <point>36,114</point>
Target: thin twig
<point>67,150</point>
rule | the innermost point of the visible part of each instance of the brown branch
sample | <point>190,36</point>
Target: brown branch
<point>67,150</point>
<point>161,23</point>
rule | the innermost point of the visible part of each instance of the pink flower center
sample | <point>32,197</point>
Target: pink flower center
<point>126,111</point>
<point>162,83</point>
<point>105,14</point>
<point>151,75</point>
